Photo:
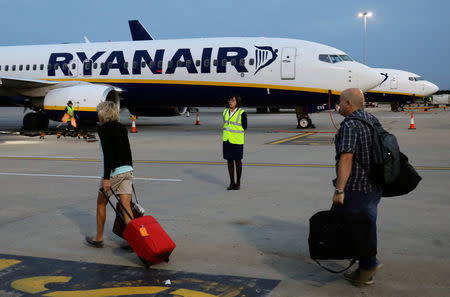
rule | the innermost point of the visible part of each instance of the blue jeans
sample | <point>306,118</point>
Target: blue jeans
<point>368,203</point>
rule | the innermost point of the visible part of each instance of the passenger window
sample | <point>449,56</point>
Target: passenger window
<point>252,61</point>
<point>160,64</point>
<point>152,64</point>
<point>325,58</point>
<point>41,67</point>
<point>27,67</point>
<point>233,62</point>
<point>73,66</point>
<point>20,67</point>
<point>125,65</point>
<point>34,67</point>
<point>109,65</point>
<point>102,65</point>
<point>188,63</point>
<point>6,67</point>
<point>142,64</point>
<point>56,66</point>
<point>197,63</point>
<point>87,66</point>
<point>179,63</point>
<point>224,62</point>
<point>170,63</point>
<point>215,62</point>
<point>65,67</point>
<point>335,58</point>
<point>95,65</point>
<point>0,67</point>
<point>206,63</point>
<point>242,62</point>
<point>13,68</point>
<point>135,65</point>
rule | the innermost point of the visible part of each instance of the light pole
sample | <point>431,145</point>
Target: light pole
<point>365,15</point>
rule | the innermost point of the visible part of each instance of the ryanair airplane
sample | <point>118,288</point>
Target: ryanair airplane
<point>400,87</point>
<point>160,77</point>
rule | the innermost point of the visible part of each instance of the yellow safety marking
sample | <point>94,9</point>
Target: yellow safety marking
<point>291,138</point>
<point>190,293</point>
<point>37,284</point>
<point>109,292</point>
<point>202,163</point>
<point>5,263</point>
<point>199,83</point>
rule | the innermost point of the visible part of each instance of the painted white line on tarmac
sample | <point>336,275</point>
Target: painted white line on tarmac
<point>86,176</point>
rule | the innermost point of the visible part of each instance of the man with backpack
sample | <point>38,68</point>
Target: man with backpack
<point>355,191</point>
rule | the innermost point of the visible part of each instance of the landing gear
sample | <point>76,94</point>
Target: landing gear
<point>261,110</point>
<point>303,119</point>
<point>35,121</point>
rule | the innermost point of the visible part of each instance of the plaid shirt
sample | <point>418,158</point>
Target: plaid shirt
<point>356,137</point>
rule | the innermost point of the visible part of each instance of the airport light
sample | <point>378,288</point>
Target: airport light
<point>365,15</point>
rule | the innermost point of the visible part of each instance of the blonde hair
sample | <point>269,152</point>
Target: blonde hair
<point>108,111</point>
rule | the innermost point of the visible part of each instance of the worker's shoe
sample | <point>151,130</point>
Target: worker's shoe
<point>362,276</point>
<point>90,241</point>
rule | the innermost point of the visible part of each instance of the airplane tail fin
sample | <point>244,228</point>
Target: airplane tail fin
<point>138,32</point>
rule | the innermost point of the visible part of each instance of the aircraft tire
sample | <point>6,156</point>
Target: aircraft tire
<point>274,109</point>
<point>261,110</point>
<point>304,123</point>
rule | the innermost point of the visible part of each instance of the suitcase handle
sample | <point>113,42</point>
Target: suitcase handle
<point>120,203</point>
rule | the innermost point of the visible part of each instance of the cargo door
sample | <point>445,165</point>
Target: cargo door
<point>288,62</point>
<point>394,81</point>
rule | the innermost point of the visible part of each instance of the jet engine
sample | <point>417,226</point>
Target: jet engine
<point>85,98</point>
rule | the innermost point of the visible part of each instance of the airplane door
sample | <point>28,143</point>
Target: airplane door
<point>288,62</point>
<point>394,81</point>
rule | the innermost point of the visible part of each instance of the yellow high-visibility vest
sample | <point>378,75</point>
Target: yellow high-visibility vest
<point>70,110</point>
<point>232,127</point>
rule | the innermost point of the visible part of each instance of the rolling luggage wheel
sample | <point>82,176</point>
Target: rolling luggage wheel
<point>147,264</point>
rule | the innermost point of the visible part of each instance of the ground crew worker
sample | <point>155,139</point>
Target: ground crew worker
<point>235,122</point>
<point>69,116</point>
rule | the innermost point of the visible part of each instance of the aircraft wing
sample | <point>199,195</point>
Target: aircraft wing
<point>23,83</point>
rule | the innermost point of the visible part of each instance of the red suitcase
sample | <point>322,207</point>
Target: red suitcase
<point>146,237</point>
<point>148,240</point>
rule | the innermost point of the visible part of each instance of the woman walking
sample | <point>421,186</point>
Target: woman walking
<point>235,122</point>
<point>117,166</point>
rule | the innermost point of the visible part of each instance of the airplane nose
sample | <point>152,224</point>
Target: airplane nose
<point>432,88</point>
<point>368,78</point>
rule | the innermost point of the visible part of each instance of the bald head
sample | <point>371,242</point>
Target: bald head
<point>351,100</point>
<point>354,96</point>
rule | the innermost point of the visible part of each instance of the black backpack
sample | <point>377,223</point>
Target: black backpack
<point>385,166</point>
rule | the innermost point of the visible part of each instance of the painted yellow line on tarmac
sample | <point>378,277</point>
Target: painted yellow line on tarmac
<point>291,138</point>
<point>5,263</point>
<point>37,284</point>
<point>165,162</point>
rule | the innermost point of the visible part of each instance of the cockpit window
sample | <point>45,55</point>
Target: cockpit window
<point>418,78</point>
<point>335,59</point>
<point>345,58</point>
<point>325,58</point>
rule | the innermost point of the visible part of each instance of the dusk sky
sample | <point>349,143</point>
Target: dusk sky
<point>407,35</point>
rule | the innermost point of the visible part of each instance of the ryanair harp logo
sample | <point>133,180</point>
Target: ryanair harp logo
<point>265,55</point>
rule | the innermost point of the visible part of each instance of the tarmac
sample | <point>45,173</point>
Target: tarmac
<point>251,242</point>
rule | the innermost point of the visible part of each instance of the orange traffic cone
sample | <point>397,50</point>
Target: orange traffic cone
<point>412,126</point>
<point>133,125</point>
<point>197,122</point>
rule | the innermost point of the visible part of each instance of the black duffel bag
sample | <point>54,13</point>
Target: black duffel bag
<point>407,180</point>
<point>339,234</point>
